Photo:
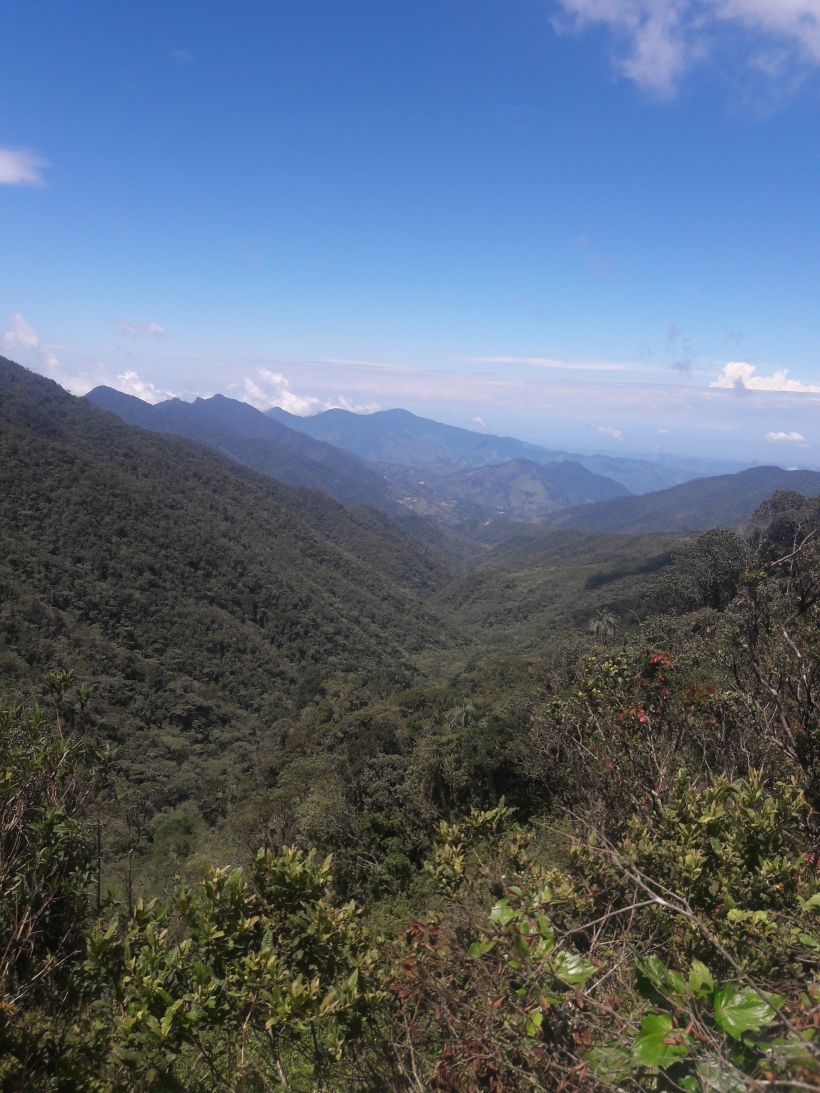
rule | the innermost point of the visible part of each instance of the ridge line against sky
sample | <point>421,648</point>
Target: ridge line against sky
<point>579,221</point>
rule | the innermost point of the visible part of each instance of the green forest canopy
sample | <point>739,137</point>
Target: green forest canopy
<point>379,813</point>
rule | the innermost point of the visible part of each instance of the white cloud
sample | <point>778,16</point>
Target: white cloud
<point>22,338</point>
<point>479,421</point>
<point>131,384</point>
<point>133,330</point>
<point>607,430</point>
<point>21,167</point>
<point>664,38</point>
<point>548,362</point>
<point>278,393</point>
<point>791,438</point>
<point>741,376</point>
<point>341,402</point>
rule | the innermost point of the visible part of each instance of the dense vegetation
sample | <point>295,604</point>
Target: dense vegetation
<point>258,441</point>
<point>722,500</point>
<point>364,830</point>
<point>402,439</point>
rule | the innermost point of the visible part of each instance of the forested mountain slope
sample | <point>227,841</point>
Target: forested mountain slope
<point>404,439</point>
<point>530,588</point>
<point>519,490</point>
<point>188,587</point>
<point>258,441</point>
<point>720,501</point>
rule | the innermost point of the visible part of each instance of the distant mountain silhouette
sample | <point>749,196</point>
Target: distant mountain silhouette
<point>401,438</point>
<point>719,501</point>
<point>519,489</point>
<point>258,441</point>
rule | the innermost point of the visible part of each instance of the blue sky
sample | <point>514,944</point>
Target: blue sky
<point>563,218</point>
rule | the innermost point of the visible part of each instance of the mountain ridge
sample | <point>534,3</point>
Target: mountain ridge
<point>262,443</point>
<point>702,503</point>
<point>400,437</point>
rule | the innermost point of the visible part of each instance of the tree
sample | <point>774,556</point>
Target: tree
<point>48,1039</point>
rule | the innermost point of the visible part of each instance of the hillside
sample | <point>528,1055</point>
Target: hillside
<point>530,588</point>
<point>404,439</point>
<point>721,501</point>
<point>204,600</point>
<point>519,490</point>
<point>243,433</point>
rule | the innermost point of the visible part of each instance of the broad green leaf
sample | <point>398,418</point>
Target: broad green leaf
<point>502,913</point>
<point>659,1043</point>
<point>674,983</point>
<point>572,968</point>
<point>741,1009</point>
<point>533,1022</point>
<point>700,978</point>
<point>480,948</point>
<point>651,968</point>
<point>810,904</point>
<point>544,896</point>
<point>545,929</point>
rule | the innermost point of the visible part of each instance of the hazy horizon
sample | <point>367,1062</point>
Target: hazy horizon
<point>591,226</point>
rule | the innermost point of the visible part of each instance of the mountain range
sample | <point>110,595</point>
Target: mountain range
<point>213,604</point>
<point>248,436</point>
<point>518,489</point>
<point>719,501</point>
<point>460,479</point>
<point>399,437</point>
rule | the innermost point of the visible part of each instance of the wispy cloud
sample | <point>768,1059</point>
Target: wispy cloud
<point>479,421</point>
<point>662,39</point>
<point>274,390</point>
<point>21,167</point>
<point>22,338</point>
<point>789,438</point>
<point>741,376</point>
<point>548,362</point>
<point>134,330</point>
<point>131,384</point>
<point>608,430</point>
<point>342,402</point>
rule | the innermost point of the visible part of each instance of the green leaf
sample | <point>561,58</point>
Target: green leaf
<point>610,1062</point>
<point>700,978</point>
<point>544,896</point>
<point>658,1044</point>
<point>480,948</point>
<point>741,1009</point>
<point>545,929</point>
<point>674,983</point>
<point>652,969</point>
<point>810,904</point>
<point>533,1022</point>
<point>503,914</point>
<point>572,968</point>
<point>715,1074</point>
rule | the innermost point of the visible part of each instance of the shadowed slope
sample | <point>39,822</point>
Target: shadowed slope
<point>243,433</point>
<point>703,503</point>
